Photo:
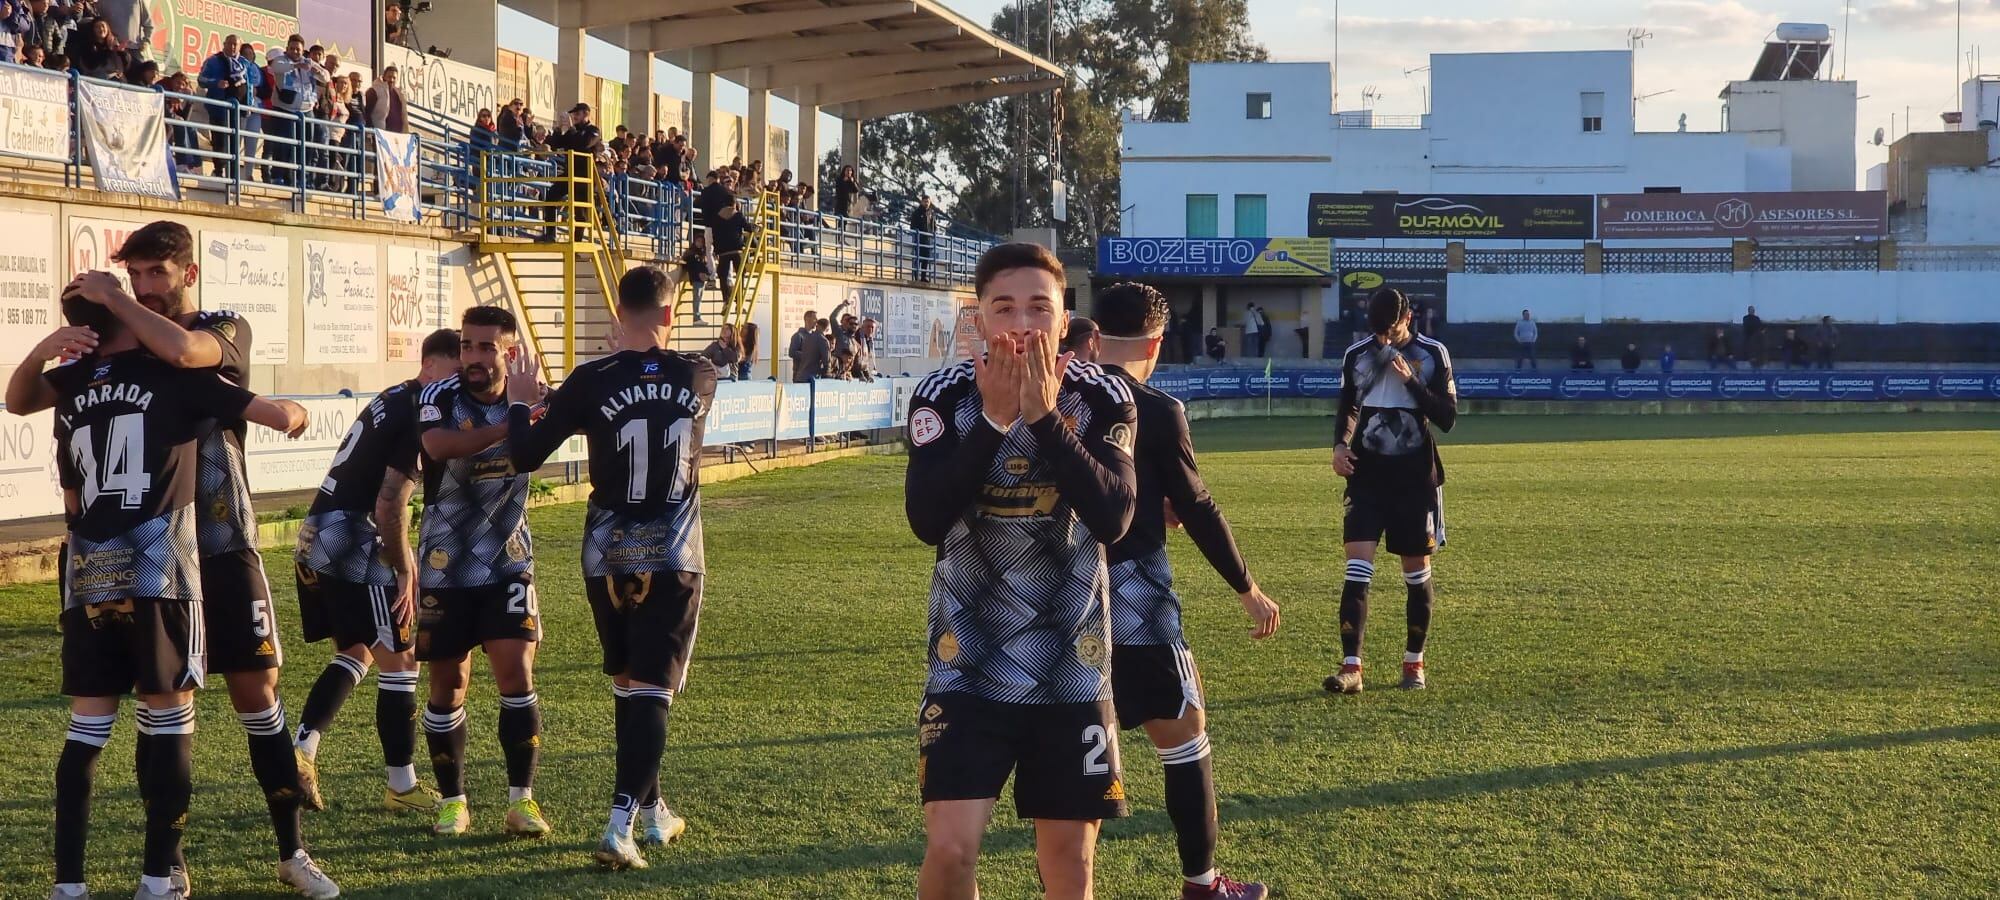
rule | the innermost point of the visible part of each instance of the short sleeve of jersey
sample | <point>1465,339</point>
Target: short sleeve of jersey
<point>233,333</point>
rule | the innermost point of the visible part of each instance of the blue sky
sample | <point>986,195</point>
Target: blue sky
<point>1900,51</point>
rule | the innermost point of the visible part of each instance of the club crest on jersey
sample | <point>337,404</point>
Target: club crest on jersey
<point>517,549</point>
<point>1090,651</point>
<point>1120,436</point>
<point>947,648</point>
<point>925,426</point>
<point>227,329</point>
<point>439,559</point>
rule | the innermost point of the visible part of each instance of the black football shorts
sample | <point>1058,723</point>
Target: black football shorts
<point>237,612</point>
<point>1063,756</point>
<point>149,645</point>
<point>646,624</point>
<point>1151,682</point>
<point>452,621</point>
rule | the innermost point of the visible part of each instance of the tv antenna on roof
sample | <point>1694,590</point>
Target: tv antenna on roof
<point>1369,94</point>
<point>1637,37</point>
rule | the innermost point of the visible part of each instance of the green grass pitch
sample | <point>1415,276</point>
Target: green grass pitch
<point>1688,656</point>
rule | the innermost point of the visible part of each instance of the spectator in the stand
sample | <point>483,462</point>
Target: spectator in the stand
<point>179,133</point>
<point>807,208</point>
<point>334,110</point>
<point>923,228</point>
<point>1216,348</point>
<point>717,194</point>
<point>1526,333</point>
<point>50,30</point>
<point>864,351</point>
<point>296,85</point>
<point>131,21</point>
<point>1753,338</point>
<point>1720,356</point>
<point>261,97</point>
<point>100,54</point>
<point>1667,360</point>
<point>58,62</point>
<point>747,342</point>
<point>847,193</point>
<point>224,78</point>
<point>34,57</point>
<point>1826,341</point>
<point>395,31</point>
<point>1796,353</point>
<point>842,335</point>
<point>384,107</point>
<point>667,160</point>
<point>725,352</point>
<point>508,127</point>
<point>581,138</point>
<point>1254,329</point>
<point>1082,338</point>
<point>727,234</point>
<point>809,351</point>
<point>1629,360</point>
<point>145,73</point>
<point>485,134</point>
<point>1579,355</point>
<point>15,24</point>
<point>695,269</point>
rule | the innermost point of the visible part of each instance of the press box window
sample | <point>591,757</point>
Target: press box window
<point>1593,111</point>
<point>1256,106</point>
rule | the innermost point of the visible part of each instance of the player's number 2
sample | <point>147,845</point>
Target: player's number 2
<point>678,443</point>
<point>124,469</point>
<point>1100,744</point>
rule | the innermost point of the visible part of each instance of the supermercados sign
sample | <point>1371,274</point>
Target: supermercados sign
<point>1533,216</point>
<point>1218,257</point>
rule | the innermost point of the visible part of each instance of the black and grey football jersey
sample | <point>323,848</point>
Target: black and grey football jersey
<point>1385,419</point>
<point>1144,607</point>
<point>1019,600</point>
<point>643,413</point>
<point>225,521</point>
<point>126,428</point>
<point>475,529</point>
<point>339,536</point>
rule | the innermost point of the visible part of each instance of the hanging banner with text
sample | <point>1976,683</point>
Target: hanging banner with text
<point>125,131</point>
<point>419,297</point>
<point>251,275</point>
<point>1792,214</point>
<point>396,175</point>
<point>343,287</point>
<point>1216,257</point>
<point>34,114</point>
<point>27,282</point>
<point>1529,216</point>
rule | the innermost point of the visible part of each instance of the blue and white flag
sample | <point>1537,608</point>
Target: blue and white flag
<point>396,175</point>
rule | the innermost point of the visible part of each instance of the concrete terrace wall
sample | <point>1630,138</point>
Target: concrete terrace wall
<point>1886,298</point>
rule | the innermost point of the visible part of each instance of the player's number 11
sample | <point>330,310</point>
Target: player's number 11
<point>678,442</point>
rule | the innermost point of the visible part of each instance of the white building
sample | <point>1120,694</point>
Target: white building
<point>1260,137</point>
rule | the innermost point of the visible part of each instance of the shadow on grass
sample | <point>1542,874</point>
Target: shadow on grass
<point>1250,434</point>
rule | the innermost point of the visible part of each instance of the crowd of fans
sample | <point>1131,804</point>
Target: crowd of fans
<point>840,346</point>
<point>1796,349</point>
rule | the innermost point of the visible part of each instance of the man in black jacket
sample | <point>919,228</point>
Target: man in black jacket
<point>1395,384</point>
<point>580,137</point>
<point>923,224</point>
<point>726,234</point>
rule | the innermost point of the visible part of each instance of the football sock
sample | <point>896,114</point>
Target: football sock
<point>444,733</point>
<point>142,753</point>
<point>76,775</point>
<point>328,695</point>
<point>1419,611</point>
<point>520,741</point>
<point>396,720</point>
<point>1354,607</point>
<point>641,743</point>
<point>168,782</point>
<point>277,771</point>
<point>1190,792</point>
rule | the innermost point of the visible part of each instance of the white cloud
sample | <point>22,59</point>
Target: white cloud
<point>1917,15</point>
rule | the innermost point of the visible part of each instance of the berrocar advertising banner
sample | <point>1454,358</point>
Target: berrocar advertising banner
<point>1800,214</point>
<point>1531,216</point>
<point>1216,257</point>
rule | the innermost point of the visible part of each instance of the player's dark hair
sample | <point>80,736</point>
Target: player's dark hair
<point>442,342</point>
<point>1017,255</point>
<point>644,289</point>
<point>495,316</point>
<point>1081,330</point>
<point>1386,307</point>
<point>166,240</point>
<point>79,311</point>
<point>1130,309</point>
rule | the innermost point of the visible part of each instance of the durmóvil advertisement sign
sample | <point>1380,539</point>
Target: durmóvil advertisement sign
<point>1530,216</point>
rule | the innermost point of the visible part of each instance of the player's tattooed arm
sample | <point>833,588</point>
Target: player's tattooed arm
<point>27,391</point>
<point>392,522</point>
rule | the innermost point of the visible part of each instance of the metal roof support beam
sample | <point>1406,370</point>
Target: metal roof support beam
<point>891,85</point>
<point>881,107</point>
<point>769,51</point>
<point>796,74</point>
<point>612,13</point>
<point>678,34</point>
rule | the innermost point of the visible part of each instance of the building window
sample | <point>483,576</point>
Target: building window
<point>1201,216</point>
<point>1593,111</point>
<point>1250,221</point>
<point>1256,106</point>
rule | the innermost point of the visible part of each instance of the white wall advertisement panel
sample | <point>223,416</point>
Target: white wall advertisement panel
<point>419,299</point>
<point>28,485</point>
<point>278,463</point>
<point>250,275</point>
<point>342,303</point>
<point>441,85</point>
<point>92,243</point>
<point>28,309</point>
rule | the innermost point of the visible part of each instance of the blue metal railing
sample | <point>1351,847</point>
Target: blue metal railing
<point>247,151</point>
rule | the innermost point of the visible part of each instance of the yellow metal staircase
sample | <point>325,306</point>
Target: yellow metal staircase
<point>563,265</point>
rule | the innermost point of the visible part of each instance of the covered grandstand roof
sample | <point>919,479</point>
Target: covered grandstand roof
<point>858,59</point>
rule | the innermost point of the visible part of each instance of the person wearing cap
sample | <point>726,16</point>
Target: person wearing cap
<point>581,137</point>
